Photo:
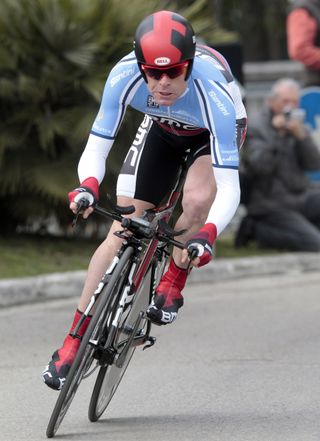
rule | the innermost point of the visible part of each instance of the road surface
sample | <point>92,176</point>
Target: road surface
<point>241,363</point>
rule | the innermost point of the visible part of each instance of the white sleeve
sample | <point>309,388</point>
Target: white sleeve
<point>93,159</point>
<point>237,98</point>
<point>227,198</point>
<point>241,114</point>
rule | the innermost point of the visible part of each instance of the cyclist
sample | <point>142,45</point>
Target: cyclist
<point>192,106</point>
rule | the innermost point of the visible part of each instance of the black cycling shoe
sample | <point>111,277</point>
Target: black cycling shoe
<point>159,314</point>
<point>54,378</point>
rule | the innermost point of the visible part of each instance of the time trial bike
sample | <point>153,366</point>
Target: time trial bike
<point>118,306</point>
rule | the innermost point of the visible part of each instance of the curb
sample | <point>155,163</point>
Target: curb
<point>41,288</point>
<point>237,268</point>
<point>65,285</point>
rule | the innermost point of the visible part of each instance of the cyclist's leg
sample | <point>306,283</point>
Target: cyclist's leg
<point>54,374</point>
<point>56,371</point>
<point>148,172</point>
<point>107,250</point>
<point>198,194</point>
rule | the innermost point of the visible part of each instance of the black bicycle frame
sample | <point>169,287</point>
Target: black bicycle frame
<point>154,216</point>
<point>164,214</point>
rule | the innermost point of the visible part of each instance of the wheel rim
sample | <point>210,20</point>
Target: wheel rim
<point>110,384</point>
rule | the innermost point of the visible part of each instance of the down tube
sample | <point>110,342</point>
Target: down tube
<point>144,265</point>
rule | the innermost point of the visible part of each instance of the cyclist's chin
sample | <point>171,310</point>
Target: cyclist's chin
<point>165,99</point>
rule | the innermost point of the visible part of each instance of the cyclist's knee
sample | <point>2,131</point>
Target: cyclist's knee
<point>196,207</point>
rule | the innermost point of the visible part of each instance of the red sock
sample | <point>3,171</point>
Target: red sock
<point>172,282</point>
<point>84,325</point>
<point>71,345</point>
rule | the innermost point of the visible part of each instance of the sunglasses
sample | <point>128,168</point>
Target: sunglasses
<point>171,72</point>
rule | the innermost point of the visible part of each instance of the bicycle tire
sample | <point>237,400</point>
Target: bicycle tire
<point>84,357</point>
<point>110,376</point>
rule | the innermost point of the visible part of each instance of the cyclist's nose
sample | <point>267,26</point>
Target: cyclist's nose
<point>164,78</point>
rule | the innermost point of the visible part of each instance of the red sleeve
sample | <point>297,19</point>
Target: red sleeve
<point>301,36</point>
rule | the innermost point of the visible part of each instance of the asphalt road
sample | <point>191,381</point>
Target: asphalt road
<point>240,364</point>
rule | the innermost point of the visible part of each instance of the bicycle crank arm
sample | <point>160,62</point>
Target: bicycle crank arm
<point>151,341</point>
<point>141,338</point>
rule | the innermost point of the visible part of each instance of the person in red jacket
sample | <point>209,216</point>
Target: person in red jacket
<point>303,38</point>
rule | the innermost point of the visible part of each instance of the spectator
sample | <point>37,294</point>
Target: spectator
<point>283,207</point>
<point>303,37</point>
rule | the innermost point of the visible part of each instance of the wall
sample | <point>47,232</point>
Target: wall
<point>260,76</point>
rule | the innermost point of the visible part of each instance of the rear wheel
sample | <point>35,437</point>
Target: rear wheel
<point>90,341</point>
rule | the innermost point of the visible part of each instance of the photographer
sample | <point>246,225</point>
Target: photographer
<point>284,205</point>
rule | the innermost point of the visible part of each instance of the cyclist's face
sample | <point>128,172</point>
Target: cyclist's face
<point>166,90</point>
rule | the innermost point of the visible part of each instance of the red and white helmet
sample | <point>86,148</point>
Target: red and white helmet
<point>165,39</point>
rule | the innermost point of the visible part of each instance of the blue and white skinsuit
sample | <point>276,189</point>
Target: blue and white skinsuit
<point>212,102</point>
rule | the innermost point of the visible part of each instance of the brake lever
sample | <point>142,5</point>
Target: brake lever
<point>75,219</point>
<point>192,254</point>
<point>82,204</point>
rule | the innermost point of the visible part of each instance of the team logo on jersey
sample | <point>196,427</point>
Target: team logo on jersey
<point>174,124</point>
<point>218,103</point>
<point>162,61</point>
<point>151,102</point>
<point>114,80</point>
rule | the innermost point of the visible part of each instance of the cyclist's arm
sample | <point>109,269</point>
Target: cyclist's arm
<point>118,92</point>
<point>93,159</point>
<point>222,112</point>
<point>229,84</point>
<point>227,179</point>
<point>225,159</point>
<point>227,198</point>
<point>225,118</point>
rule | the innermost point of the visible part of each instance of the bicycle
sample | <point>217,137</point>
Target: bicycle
<point>119,323</point>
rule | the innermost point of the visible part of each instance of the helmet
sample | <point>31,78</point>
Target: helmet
<point>165,39</point>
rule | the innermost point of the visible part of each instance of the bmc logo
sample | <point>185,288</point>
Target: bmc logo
<point>151,102</point>
<point>162,61</point>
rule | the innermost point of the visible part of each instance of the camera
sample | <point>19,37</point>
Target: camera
<point>294,113</point>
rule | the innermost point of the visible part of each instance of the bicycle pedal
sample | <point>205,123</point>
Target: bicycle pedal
<point>151,341</point>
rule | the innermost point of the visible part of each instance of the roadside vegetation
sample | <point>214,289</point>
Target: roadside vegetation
<point>54,59</point>
<point>31,255</point>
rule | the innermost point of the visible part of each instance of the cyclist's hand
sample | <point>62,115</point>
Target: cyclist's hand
<point>203,242</point>
<point>88,190</point>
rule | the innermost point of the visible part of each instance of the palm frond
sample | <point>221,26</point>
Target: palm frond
<point>54,58</point>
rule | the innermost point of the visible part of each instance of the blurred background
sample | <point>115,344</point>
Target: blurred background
<point>54,59</point>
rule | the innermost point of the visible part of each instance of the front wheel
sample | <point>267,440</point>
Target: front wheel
<point>87,349</point>
<point>105,386</point>
<point>133,329</point>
